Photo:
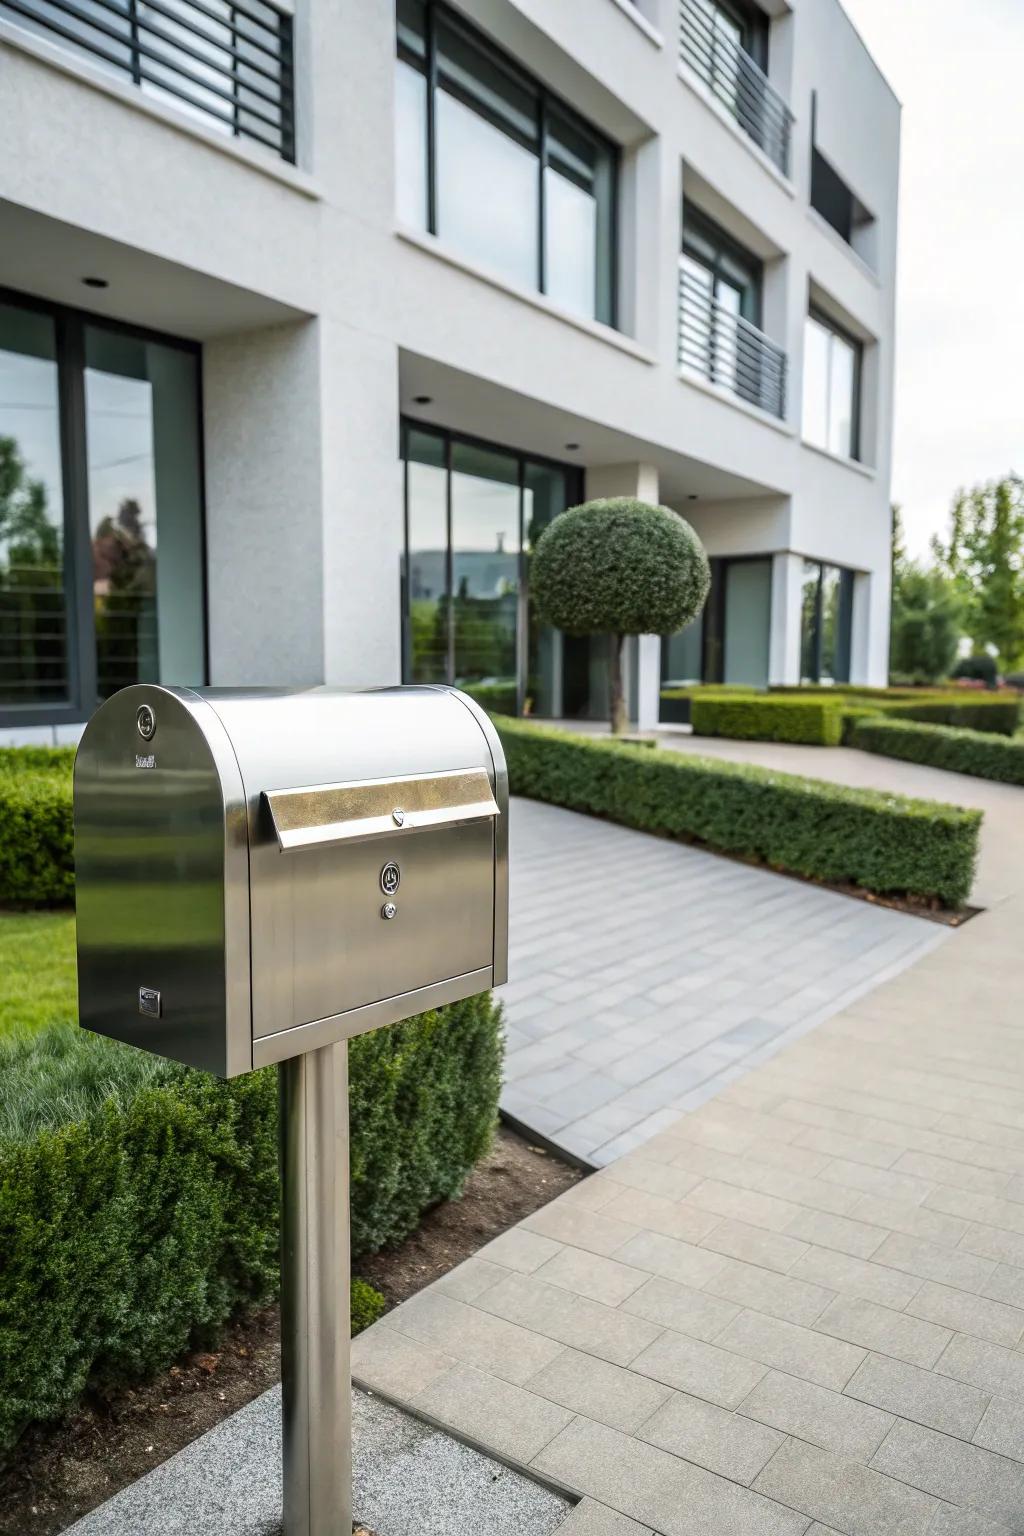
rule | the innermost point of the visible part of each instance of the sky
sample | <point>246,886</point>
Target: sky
<point>957,67</point>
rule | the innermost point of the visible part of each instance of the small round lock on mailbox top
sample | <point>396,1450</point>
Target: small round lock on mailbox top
<point>390,879</point>
<point>145,721</point>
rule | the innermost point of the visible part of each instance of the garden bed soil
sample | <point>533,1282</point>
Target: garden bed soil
<point>57,1474</point>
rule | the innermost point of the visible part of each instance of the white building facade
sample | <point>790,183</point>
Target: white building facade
<point>312,318</point>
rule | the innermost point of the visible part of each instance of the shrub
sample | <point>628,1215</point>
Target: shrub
<point>37,856</point>
<point>979,668</point>
<point>139,1199</point>
<point>996,712</point>
<point>882,842</point>
<point>499,698</point>
<point>814,721</point>
<point>619,567</point>
<point>979,753</point>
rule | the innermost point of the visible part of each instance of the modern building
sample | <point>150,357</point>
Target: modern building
<point>314,315</point>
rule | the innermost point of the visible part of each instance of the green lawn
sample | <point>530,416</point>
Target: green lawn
<point>37,969</point>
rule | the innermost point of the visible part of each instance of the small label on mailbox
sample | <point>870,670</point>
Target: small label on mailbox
<point>149,1002</point>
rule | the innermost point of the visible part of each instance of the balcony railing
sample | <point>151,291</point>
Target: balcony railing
<point>734,79</point>
<point>727,350</point>
<point>228,65</point>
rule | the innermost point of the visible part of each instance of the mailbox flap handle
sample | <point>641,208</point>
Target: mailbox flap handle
<point>324,814</point>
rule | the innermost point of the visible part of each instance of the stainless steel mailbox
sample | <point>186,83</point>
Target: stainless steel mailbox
<point>262,872</point>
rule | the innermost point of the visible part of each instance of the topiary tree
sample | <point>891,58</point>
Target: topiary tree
<point>619,567</point>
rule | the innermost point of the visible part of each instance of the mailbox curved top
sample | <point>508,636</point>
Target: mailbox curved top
<point>237,849</point>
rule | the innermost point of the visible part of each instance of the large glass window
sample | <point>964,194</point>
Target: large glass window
<point>473,514</point>
<point>826,623</point>
<point>492,163</point>
<point>832,373</point>
<point>99,454</point>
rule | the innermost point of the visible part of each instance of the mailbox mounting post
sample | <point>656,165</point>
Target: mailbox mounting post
<point>315,1327</point>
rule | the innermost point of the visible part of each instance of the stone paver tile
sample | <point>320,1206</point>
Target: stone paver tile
<point>501,1417</point>
<point>589,1518</point>
<point>520,1250</point>
<point>857,1148</point>
<point>1007,1284</point>
<point>691,1366</point>
<point>657,1488</point>
<point>680,1307</point>
<point>608,1332</point>
<point>470,1279</point>
<point>967,1313</point>
<point>990,1210</point>
<point>882,1329</point>
<point>763,1290</point>
<point>823,1417</point>
<point>593,1193</point>
<point>595,1231</point>
<point>588,1274</point>
<point>668,1256</point>
<point>913,1220</point>
<point>943,1170</point>
<point>883,1182</point>
<point>844,1234</point>
<point>912,1393</point>
<point>747,1205</point>
<point>856,1277</point>
<point>932,1262</point>
<point>843,1494</point>
<point>954,1520</point>
<point>712,1437</point>
<point>1002,1429</point>
<point>473,1337</point>
<point>992,1243</point>
<point>953,1470</point>
<point>990,1367</point>
<point>599,1390</point>
<point>787,1347</point>
<point>392,1363</point>
<point>656,1178</point>
<point>655,1213</point>
<point>772,1250</point>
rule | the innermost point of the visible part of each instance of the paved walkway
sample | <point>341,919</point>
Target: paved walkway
<point>646,975</point>
<point>800,1308</point>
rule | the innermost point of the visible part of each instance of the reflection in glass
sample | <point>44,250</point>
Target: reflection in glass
<point>748,608</point>
<point>410,145</point>
<point>836,624</point>
<point>545,495</point>
<point>485,565</point>
<point>142,440</point>
<point>842,380</point>
<point>809,622</point>
<point>33,606</point>
<point>830,389</point>
<point>427,559</point>
<point>486,193</point>
<point>816,371</point>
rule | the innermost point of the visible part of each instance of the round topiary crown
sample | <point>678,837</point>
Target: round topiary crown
<point>619,566</point>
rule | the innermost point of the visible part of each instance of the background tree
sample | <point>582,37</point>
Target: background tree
<point>619,567</point>
<point>925,624</point>
<point>984,558</point>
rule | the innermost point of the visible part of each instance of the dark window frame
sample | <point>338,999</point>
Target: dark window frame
<point>824,319</point>
<point>574,474</point>
<point>70,326</point>
<point>695,220</point>
<point>546,101</point>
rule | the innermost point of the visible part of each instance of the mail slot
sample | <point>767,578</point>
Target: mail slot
<point>262,872</point>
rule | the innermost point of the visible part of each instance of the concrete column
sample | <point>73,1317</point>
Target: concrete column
<point>869,647</point>
<point>787,598</point>
<point>641,481</point>
<point>262,430</point>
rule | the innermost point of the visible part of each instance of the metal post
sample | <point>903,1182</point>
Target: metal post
<point>315,1369</point>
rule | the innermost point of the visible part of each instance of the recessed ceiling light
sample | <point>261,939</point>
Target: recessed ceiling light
<point>571,447</point>
<point>692,496</point>
<point>95,282</point>
<point>422,399</point>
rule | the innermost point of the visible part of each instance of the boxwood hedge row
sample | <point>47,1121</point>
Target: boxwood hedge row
<point>139,1199</point>
<point>761,717</point>
<point>937,746</point>
<point>884,843</point>
<point>37,855</point>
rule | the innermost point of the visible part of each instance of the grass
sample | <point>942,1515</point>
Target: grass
<point>38,984</point>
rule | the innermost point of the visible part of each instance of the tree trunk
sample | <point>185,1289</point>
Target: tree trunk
<point>620,720</point>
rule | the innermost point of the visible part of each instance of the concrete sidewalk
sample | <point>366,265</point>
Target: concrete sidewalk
<point>798,1309</point>
<point>645,975</point>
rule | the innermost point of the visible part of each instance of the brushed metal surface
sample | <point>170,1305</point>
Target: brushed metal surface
<point>315,1349</point>
<point>340,813</point>
<point>184,890</point>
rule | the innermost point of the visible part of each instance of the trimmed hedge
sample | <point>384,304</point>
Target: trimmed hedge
<point>139,1199</point>
<point>37,854</point>
<point>760,717</point>
<point>997,713</point>
<point>881,842</point>
<point>978,753</point>
<point>498,698</point>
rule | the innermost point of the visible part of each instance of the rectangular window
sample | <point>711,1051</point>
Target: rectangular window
<point>832,382</point>
<point>492,163</point>
<point>101,541</point>
<point>826,626</point>
<point>473,513</point>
